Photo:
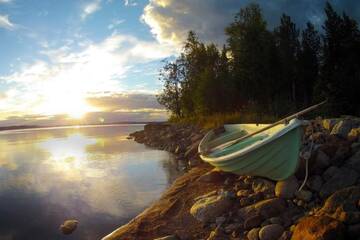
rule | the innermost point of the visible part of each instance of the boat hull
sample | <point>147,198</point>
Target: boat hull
<point>276,160</point>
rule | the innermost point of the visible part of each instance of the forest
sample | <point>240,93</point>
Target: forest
<point>267,72</point>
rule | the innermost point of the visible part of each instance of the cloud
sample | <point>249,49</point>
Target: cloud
<point>90,8</point>
<point>170,20</point>
<point>124,102</point>
<point>130,3</point>
<point>6,23</point>
<point>5,1</point>
<point>115,23</point>
<point>67,80</point>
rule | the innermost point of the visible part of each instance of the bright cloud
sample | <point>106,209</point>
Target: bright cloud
<point>130,3</point>
<point>91,8</point>
<point>63,84</point>
<point>115,23</point>
<point>6,23</point>
<point>5,1</point>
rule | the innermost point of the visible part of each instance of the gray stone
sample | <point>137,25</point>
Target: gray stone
<point>207,208</point>
<point>315,182</point>
<point>220,220</point>
<point>253,234</point>
<point>286,189</point>
<point>344,178</point>
<point>271,232</point>
<point>304,195</point>
<point>276,220</point>
<point>69,226</point>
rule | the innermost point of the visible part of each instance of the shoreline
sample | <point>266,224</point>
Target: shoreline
<point>208,204</point>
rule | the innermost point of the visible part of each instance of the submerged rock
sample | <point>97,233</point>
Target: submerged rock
<point>69,226</point>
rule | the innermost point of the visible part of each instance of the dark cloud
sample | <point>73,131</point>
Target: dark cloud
<point>120,101</point>
<point>170,20</point>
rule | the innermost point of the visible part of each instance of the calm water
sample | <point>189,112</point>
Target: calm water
<point>92,174</point>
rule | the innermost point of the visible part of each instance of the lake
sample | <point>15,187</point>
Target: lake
<point>90,173</point>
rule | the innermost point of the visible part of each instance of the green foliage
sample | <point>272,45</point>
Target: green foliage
<point>261,75</point>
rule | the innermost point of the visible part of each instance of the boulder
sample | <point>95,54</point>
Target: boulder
<point>314,183</point>
<point>330,172</point>
<point>207,208</point>
<point>354,162</point>
<point>69,226</point>
<point>322,160</point>
<point>344,178</point>
<point>265,208</point>
<point>286,189</point>
<point>271,232</point>
<point>343,205</point>
<point>319,227</point>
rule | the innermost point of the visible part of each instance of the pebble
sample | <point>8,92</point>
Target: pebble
<point>253,234</point>
<point>304,195</point>
<point>69,226</point>
<point>252,222</point>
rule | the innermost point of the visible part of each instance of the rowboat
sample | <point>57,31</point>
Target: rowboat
<point>270,151</point>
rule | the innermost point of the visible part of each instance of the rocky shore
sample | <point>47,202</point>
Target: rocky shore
<point>209,204</point>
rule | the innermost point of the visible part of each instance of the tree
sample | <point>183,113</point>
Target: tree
<point>172,75</point>
<point>287,41</point>
<point>308,63</point>
<point>340,73</point>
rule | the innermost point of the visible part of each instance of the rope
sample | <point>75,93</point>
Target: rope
<point>307,157</point>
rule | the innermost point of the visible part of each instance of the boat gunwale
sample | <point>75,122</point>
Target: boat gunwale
<point>293,124</point>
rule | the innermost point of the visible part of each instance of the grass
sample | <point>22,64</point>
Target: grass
<point>219,119</point>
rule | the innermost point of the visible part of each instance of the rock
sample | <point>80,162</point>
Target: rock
<point>230,228</point>
<point>322,160</point>
<point>343,127</point>
<point>252,222</point>
<point>318,227</point>
<point>286,235</point>
<point>355,147</point>
<point>207,208</point>
<point>330,172</point>
<point>69,226</point>
<point>266,208</point>
<point>354,162</point>
<point>253,234</point>
<point>217,234</point>
<point>271,232</point>
<point>212,176</point>
<point>343,205</point>
<point>354,134</point>
<point>243,193</point>
<point>353,231</point>
<point>220,220</point>
<point>261,185</point>
<point>314,183</point>
<point>304,195</point>
<point>169,237</point>
<point>276,220</point>
<point>287,188</point>
<point>192,149</point>
<point>328,124</point>
<point>344,178</point>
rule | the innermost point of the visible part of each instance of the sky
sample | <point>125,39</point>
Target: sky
<point>97,61</point>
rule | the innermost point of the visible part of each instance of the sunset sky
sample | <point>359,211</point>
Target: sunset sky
<point>98,60</point>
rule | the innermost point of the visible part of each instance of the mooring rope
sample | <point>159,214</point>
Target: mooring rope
<point>307,157</point>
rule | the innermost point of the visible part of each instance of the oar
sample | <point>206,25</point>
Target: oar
<point>284,120</point>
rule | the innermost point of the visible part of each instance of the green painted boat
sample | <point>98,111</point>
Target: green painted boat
<point>272,153</point>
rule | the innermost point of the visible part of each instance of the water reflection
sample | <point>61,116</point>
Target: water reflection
<point>93,174</point>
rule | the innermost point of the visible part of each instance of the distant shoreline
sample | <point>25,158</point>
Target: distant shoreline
<point>21,127</point>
